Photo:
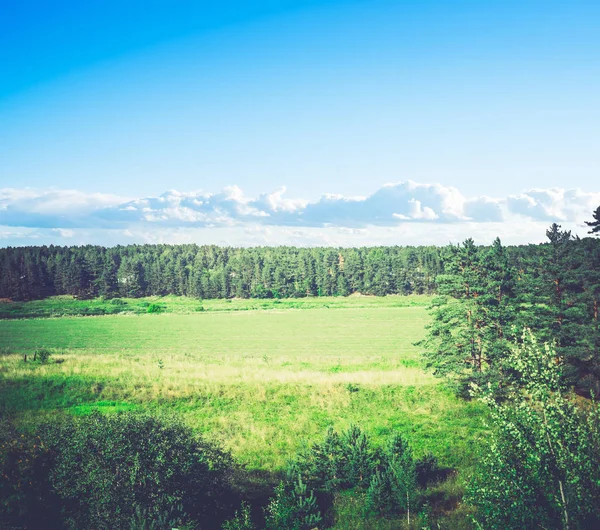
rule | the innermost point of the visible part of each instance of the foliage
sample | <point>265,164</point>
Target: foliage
<point>242,519</point>
<point>208,272</point>
<point>171,518</point>
<point>595,224</point>
<point>338,462</point>
<point>25,494</point>
<point>469,336</point>
<point>118,301</point>
<point>114,471</point>
<point>393,488</point>
<point>42,355</point>
<point>487,294</point>
<point>540,468</point>
<point>350,461</point>
<point>294,507</point>
<point>155,308</point>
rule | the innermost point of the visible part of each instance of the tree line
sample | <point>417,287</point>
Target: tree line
<point>215,272</point>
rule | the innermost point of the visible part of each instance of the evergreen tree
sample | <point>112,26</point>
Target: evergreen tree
<point>467,339</point>
<point>595,224</point>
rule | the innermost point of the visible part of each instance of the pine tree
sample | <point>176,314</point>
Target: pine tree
<point>467,339</point>
<point>595,224</point>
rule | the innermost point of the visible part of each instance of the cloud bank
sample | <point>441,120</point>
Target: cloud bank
<point>401,213</point>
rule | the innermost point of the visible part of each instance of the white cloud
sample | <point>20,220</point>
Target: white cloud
<point>399,213</point>
<point>51,208</point>
<point>554,204</point>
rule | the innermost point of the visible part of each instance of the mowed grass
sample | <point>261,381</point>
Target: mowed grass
<point>262,383</point>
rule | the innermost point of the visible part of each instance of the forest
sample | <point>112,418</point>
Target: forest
<point>216,272</point>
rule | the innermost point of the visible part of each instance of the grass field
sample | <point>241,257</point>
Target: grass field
<point>61,306</point>
<point>261,382</point>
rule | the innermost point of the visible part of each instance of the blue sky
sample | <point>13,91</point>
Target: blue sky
<point>114,102</point>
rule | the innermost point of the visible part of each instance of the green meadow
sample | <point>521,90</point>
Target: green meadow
<point>261,377</point>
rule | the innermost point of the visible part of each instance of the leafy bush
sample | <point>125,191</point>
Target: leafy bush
<point>359,459</point>
<point>388,476</point>
<point>540,467</point>
<point>339,462</point>
<point>115,471</point>
<point>118,301</point>
<point>241,521</point>
<point>168,520</point>
<point>42,355</point>
<point>155,308</point>
<point>25,493</point>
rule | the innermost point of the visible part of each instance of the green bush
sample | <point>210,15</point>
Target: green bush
<point>26,498</point>
<point>294,507</point>
<point>42,355</point>
<point>241,521</point>
<point>118,301</point>
<point>338,462</point>
<point>155,308</point>
<point>540,463</point>
<point>170,519</point>
<point>389,476</point>
<point>393,488</point>
<point>115,471</point>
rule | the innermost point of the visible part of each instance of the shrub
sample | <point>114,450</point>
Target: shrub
<point>109,471</point>
<point>339,462</point>
<point>241,521</point>
<point>349,461</point>
<point>393,488</point>
<point>155,308</point>
<point>118,301</point>
<point>42,355</point>
<point>359,458</point>
<point>26,499</point>
<point>294,507</point>
<point>167,520</point>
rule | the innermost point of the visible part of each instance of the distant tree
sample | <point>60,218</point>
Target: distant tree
<point>130,278</point>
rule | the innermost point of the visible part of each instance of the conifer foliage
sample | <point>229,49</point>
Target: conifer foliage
<point>215,272</point>
<point>595,224</point>
<point>486,295</point>
<point>470,333</point>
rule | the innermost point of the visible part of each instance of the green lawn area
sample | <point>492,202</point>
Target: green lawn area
<point>261,382</point>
